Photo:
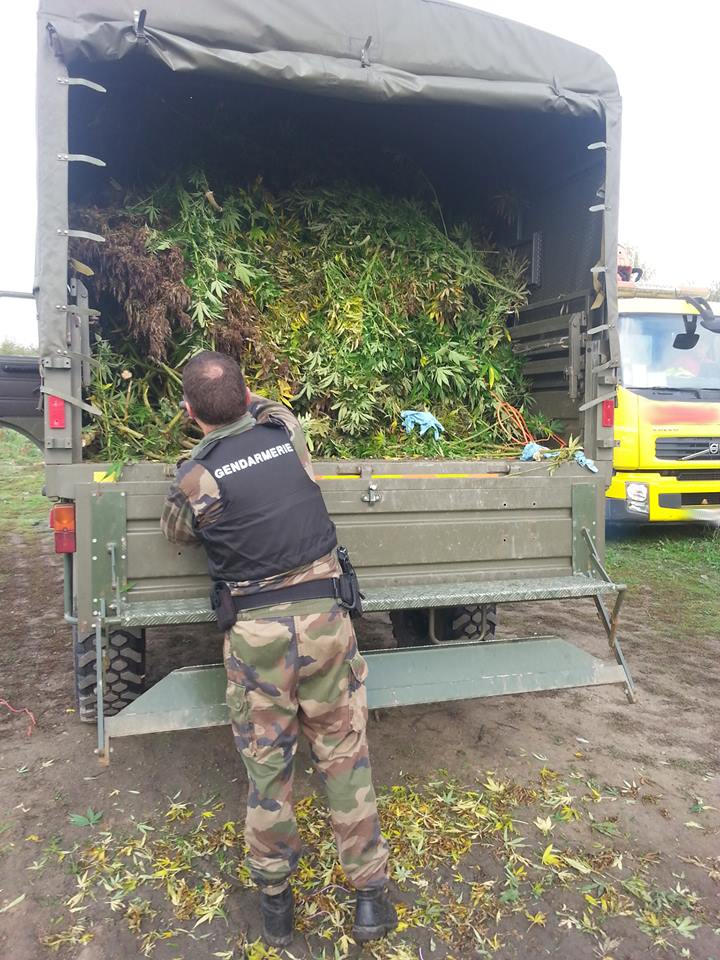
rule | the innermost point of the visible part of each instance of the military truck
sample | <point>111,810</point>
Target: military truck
<point>487,107</point>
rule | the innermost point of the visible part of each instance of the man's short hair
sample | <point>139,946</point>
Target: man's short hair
<point>214,385</point>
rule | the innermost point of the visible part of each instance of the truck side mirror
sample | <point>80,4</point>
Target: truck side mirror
<point>712,325</point>
<point>707,317</point>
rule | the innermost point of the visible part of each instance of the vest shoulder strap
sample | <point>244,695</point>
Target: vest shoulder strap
<point>213,445</point>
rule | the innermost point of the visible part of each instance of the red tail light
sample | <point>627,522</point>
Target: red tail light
<point>608,413</point>
<point>62,521</point>
<point>56,413</point>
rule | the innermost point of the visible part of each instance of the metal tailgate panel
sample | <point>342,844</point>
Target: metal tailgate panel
<point>422,528</point>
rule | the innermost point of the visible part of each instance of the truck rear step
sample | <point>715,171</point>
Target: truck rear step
<point>194,697</point>
<point>158,613</point>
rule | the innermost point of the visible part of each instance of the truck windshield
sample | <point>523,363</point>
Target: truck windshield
<point>650,360</point>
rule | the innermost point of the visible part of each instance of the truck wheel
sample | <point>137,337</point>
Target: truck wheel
<point>466,623</point>
<point>410,627</point>
<point>124,674</point>
<point>452,624</point>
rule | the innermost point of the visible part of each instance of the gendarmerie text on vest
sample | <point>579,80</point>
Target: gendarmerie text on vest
<point>243,463</point>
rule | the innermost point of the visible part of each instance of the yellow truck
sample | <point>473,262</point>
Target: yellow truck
<point>667,407</point>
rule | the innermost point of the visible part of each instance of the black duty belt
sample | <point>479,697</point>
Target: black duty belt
<point>344,590</point>
<point>314,590</point>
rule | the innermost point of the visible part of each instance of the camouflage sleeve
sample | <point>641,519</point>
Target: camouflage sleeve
<point>265,411</point>
<point>194,494</point>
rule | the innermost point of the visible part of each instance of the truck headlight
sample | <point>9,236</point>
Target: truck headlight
<point>637,498</point>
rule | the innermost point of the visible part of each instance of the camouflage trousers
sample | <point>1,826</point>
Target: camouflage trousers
<point>291,673</point>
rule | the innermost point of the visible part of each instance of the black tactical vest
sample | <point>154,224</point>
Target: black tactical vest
<point>273,516</point>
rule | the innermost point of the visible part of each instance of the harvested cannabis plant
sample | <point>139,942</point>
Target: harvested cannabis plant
<point>344,303</point>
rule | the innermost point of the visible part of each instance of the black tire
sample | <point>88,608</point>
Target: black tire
<point>410,627</point>
<point>473,623</point>
<point>452,624</point>
<point>124,673</point>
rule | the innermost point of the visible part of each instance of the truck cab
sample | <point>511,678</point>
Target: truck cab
<point>666,464</point>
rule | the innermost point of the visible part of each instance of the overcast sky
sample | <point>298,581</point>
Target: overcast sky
<point>666,59</point>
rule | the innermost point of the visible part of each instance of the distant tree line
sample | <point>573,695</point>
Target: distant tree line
<point>8,348</point>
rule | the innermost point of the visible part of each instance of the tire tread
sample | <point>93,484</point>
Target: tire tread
<point>124,676</point>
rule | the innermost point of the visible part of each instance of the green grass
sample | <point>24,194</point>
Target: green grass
<point>22,505</point>
<point>15,449</point>
<point>680,565</point>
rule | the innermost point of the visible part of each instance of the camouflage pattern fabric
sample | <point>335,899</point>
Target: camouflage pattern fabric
<point>289,672</point>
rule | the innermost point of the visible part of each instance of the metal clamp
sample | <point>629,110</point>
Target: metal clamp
<point>596,402</point>
<point>594,331</point>
<point>75,310</point>
<point>81,82</point>
<point>372,496</point>
<point>139,24</point>
<point>73,401</point>
<point>81,158</point>
<point>81,235</point>
<point>86,358</point>
<point>364,53</point>
<point>57,363</point>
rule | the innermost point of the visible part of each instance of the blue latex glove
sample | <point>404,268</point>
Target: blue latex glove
<point>425,421</point>
<point>533,451</point>
<point>585,461</point>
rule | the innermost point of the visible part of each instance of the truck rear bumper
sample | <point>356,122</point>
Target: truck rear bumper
<point>670,500</point>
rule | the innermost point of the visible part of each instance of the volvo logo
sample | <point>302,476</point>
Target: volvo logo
<point>714,448</point>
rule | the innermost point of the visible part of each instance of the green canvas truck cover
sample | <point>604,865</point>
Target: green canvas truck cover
<point>369,49</point>
<point>431,51</point>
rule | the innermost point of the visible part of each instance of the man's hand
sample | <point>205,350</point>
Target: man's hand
<point>270,411</point>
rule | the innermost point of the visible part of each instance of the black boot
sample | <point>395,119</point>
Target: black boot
<point>277,916</point>
<point>375,915</point>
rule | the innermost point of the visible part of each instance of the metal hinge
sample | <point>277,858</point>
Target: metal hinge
<point>57,363</point>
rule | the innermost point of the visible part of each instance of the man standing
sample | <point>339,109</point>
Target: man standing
<point>247,494</point>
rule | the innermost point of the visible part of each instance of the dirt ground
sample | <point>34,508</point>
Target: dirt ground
<point>644,780</point>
